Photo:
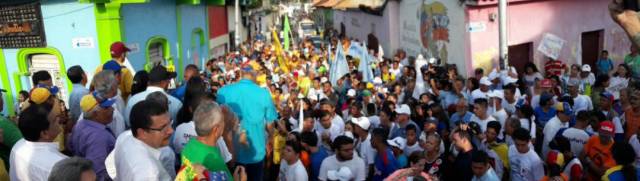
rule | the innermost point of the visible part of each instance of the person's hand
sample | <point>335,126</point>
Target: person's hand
<point>627,19</point>
<point>240,174</point>
<point>242,138</point>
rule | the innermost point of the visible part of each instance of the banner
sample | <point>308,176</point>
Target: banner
<point>365,65</point>
<point>356,50</point>
<point>551,46</point>
<point>339,66</point>
<point>287,32</point>
<point>278,48</point>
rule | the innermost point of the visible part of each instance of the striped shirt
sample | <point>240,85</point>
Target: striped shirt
<point>554,67</point>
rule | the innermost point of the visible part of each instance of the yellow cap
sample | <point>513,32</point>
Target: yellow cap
<point>39,95</point>
<point>88,102</point>
<point>369,85</point>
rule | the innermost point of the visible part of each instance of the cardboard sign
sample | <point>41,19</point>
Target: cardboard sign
<point>551,46</point>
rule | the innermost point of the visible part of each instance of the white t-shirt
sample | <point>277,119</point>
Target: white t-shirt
<point>582,103</point>
<point>635,143</point>
<point>356,165</point>
<point>525,167</point>
<point>501,116</point>
<point>185,131</point>
<point>292,172</point>
<point>549,132</point>
<point>528,124</point>
<point>509,107</point>
<point>413,148</point>
<point>366,151</point>
<point>482,123</point>
<point>577,137</point>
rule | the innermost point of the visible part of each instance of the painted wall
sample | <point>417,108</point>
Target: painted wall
<point>359,24</point>
<point>529,21</point>
<point>434,29</point>
<point>63,21</point>
<point>143,21</point>
<point>193,17</point>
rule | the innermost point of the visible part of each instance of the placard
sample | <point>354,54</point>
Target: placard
<point>551,45</point>
<point>21,26</point>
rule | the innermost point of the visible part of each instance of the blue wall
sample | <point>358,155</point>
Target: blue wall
<point>143,21</point>
<point>193,17</point>
<point>63,21</point>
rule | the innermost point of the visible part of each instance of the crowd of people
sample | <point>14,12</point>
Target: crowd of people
<point>263,113</point>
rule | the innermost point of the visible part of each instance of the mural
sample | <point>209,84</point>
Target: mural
<point>434,29</point>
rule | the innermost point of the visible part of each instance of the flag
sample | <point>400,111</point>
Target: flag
<point>365,64</point>
<point>278,49</point>
<point>287,31</point>
<point>301,118</point>
<point>339,66</point>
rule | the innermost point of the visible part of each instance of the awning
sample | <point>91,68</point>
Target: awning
<point>327,3</point>
<point>354,4</point>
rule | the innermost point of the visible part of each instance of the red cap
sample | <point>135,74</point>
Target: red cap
<point>118,48</point>
<point>607,128</point>
<point>546,83</point>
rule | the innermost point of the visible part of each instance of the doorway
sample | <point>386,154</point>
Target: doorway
<point>520,55</point>
<point>591,48</point>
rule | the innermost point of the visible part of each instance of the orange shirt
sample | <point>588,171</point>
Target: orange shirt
<point>306,159</point>
<point>633,122</point>
<point>598,153</point>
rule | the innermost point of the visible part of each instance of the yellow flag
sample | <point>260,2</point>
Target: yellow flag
<point>281,63</point>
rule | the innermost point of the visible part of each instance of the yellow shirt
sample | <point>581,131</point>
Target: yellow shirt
<point>3,171</point>
<point>502,150</point>
<point>126,80</point>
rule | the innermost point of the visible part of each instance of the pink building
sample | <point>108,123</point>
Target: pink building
<point>466,33</point>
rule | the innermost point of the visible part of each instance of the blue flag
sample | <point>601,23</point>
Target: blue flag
<point>365,64</point>
<point>339,67</point>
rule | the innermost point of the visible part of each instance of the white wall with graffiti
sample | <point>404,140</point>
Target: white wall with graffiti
<point>435,29</point>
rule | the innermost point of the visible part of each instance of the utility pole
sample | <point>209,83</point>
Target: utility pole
<point>237,27</point>
<point>504,50</point>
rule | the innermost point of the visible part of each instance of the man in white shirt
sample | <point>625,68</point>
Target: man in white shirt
<point>365,150</point>
<point>483,91</point>
<point>344,157</point>
<point>577,135</point>
<point>291,167</point>
<point>480,115</point>
<point>561,120</point>
<point>524,163</point>
<point>159,79</point>
<point>330,108</point>
<point>33,157</point>
<point>327,130</point>
<point>499,113</point>
<point>580,102</point>
<point>137,154</point>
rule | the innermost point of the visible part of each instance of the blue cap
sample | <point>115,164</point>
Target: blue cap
<point>102,102</point>
<point>112,65</point>
<point>520,103</point>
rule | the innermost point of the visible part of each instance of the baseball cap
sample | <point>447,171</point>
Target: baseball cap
<point>39,95</point>
<point>397,142</point>
<point>351,93</point>
<point>546,97</point>
<point>112,65</point>
<point>324,79</point>
<point>493,75</point>
<point>607,96</point>
<point>160,73</point>
<point>118,48</point>
<point>403,109</point>
<point>520,103</point>
<point>362,122</point>
<point>89,101</point>
<point>555,157</point>
<point>546,83</point>
<point>509,80</point>
<point>497,94</point>
<point>369,85</point>
<point>485,81</point>
<point>53,89</point>
<point>607,128</point>
<point>586,68</point>
<point>342,174</point>
<point>377,80</point>
<point>564,107</point>
<point>573,82</point>
<point>366,93</point>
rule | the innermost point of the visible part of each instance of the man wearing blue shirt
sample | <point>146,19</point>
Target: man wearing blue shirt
<point>385,162</point>
<point>318,153</point>
<point>461,115</point>
<point>190,71</point>
<point>255,109</point>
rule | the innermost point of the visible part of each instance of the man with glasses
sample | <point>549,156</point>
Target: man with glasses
<point>136,153</point>
<point>91,138</point>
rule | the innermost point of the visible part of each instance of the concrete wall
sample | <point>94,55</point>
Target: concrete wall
<point>193,17</point>
<point>434,29</point>
<point>64,20</point>
<point>529,21</point>
<point>143,21</point>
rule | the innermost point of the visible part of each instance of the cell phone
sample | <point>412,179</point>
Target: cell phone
<point>631,5</point>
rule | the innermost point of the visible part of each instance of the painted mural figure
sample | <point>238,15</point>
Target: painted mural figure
<point>434,29</point>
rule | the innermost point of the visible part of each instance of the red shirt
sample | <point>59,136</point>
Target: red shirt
<point>554,67</point>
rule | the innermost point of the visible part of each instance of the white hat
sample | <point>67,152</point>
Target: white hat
<point>342,174</point>
<point>485,81</point>
<point>377,80</point>
<point>494,75</point>
<point>348,134</point>
<point>398,142</point>
<point>323,80</point>
<point>300,96</point>
<point>362,122</point>
<point>403,109</point>
<point>508,80</point>
<point>383,90</point>
<point>351,93</point>
<point>432,60</point>
<point>497,94</point>
<point>586,68</point>
<point>275,78</point>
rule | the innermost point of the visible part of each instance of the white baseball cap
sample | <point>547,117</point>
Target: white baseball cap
<point>403,109</point>
<point>362,122</point>
<point>586,68</point>
<point>497,94</point>
<point>323,80</point>
<point>351,93</point>
<point>377,80</point>
<point>485,81</point>
<point>342,174</point>
<point>398,142</point>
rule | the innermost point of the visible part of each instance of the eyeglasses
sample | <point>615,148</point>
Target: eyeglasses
<point>161,129</point>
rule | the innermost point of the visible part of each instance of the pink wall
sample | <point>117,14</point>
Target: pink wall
<point>529,21</point>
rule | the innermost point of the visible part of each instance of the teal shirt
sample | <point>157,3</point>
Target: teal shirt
<point>254,108</point>
<point>634,63</point>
